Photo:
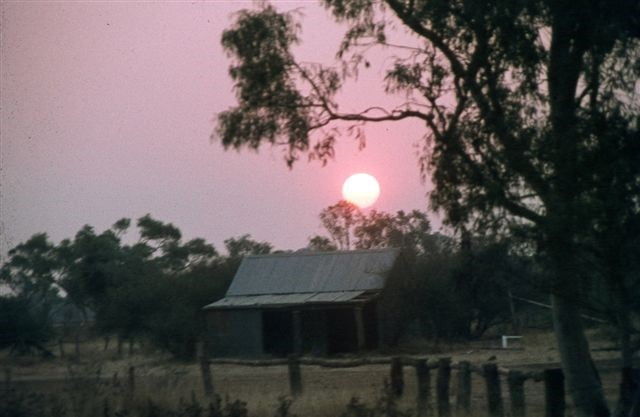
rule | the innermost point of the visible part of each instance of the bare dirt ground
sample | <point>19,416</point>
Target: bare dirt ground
<point>326,390</point>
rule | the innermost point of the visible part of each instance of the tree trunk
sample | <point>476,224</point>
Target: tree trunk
<point>627,385</point>
<point>583,381</point>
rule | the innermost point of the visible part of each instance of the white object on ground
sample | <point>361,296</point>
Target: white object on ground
<point>505,340</point>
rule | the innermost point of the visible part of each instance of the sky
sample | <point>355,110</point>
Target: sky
<point>106,111</point>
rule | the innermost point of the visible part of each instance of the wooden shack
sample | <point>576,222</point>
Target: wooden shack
<point>305,302</point>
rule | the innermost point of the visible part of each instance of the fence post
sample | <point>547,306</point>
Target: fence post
<point>463,399</point>
<point>7,378</point>
<point>205,369</point>
<point>61,347</point>
<point>554,392</point>
<point>516,380</point>
<point>120,342</point>
<point>423,377</point>
<point>131,385</point>
<point>295,376</point>
<point>494,393</point>
<point>397,377</point>
<point>442,387</point>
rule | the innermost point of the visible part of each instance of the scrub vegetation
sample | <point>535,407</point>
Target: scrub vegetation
<point>152,289</point>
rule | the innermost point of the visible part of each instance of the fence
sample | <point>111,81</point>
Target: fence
<point>82,342</point>
<point>553,380</point>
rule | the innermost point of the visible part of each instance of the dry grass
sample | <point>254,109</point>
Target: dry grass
<point>326,391</point>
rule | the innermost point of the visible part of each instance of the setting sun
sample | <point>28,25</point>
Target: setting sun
<point>361,189</point>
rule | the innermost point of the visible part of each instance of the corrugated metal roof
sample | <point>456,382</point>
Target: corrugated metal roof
<point>283,299</point>
<point>312,272</point>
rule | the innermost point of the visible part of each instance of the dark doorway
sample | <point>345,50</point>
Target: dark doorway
<point>370,316</point>
<point>277,332</point>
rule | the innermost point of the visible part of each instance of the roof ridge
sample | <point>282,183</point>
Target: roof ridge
<point>321,253</point>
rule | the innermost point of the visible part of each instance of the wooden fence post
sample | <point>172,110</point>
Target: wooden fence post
<point>554,392</point>
<point>205,369</point>
<point>463,399</point>
<point>423,377</point>
<point>494,393</point>
<point>295,376</point>
<point>516,393</point>
<point>131,385</point>
<point>7,378</point>
<point>61,347</point>
<point>442,387</point>
<point>397,377</point>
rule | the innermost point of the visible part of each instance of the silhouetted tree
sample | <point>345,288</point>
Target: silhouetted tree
<point>24,325</point>
<point>339,220</point>
<point>321,244</point>
<point>26,314</point>
<point>511,94</point>
<point>244,245</point>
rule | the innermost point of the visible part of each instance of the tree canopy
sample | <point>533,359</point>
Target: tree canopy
<point>519,100</point>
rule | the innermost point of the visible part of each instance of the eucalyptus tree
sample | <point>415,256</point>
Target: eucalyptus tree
<point>319,243</point>
<point>30,272</point>
<point>512,95</point>
<point>339,220</point>
<point>244,245</point>
<point>31,269</point>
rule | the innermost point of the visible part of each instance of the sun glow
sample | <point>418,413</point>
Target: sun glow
<point>361,189</point>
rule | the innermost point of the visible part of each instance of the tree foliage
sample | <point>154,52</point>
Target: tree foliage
<point>519,98</point>
<point>26,315</point>
<point>153,288</point>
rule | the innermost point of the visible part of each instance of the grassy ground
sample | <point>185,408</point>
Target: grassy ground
<point>100,374</point>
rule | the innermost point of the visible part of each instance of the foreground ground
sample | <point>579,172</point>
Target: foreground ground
<point>326,391</point>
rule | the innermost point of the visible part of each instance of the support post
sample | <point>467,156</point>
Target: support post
<point>360,334</point>
<point>295,376</point>
<point>297,332</point>
<point>516,380</point>
<point>442,387</point>
<point>397,377</point>
<point>61,347</point>
<point>423,377</point>
<point>494,393</point>
<point>463,399</point>
<point>554,392</point>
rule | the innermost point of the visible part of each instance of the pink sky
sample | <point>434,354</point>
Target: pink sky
<point>106,112</point>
